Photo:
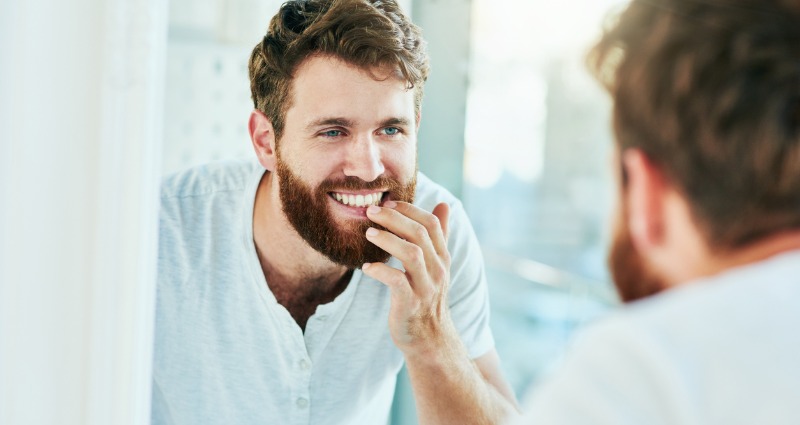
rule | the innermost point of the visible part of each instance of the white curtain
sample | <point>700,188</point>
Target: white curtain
<point>81,95</point>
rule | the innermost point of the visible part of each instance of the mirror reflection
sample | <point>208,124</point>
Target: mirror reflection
<point>402,213</point>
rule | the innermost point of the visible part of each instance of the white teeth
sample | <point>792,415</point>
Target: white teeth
<point>359,200</point>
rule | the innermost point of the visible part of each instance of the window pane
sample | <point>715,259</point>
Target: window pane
<point>538,185</point>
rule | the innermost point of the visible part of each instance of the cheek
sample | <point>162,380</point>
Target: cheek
<point>309,171</point>
<point>401,160</point>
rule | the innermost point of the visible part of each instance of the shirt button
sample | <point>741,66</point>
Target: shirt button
<point>302,403</point>
<point>304,364</point>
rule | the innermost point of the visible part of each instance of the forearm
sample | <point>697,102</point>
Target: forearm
<point>450,389</point>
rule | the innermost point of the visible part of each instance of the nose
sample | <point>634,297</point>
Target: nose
<point>364,159</point>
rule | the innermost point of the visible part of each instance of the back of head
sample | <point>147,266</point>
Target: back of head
<point>363,33</point>
<point>710,91</point>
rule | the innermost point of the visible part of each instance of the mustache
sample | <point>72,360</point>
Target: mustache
<point>354,183</point>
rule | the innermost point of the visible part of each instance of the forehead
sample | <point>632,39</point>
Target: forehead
<point>328,86</point>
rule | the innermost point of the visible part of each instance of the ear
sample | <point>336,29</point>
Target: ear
<point>419,120</point>
<point>263,137</point>
<point>645,200</point>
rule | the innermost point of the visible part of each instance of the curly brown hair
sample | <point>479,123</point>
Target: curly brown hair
<point>364,33</point>
<point>709,90</point>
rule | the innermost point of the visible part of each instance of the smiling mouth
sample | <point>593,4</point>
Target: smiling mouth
<point>358,200</point>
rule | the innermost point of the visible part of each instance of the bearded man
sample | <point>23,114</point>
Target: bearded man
<point>707,121</point>
<point>292,290</point>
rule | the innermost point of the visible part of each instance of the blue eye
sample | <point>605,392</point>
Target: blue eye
<point>332,133</point>
<point>391,131</point>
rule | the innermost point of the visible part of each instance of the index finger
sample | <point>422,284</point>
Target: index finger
<point>435,223</point>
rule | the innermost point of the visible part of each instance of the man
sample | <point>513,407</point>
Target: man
<point>277,280</point>
<point>707,121</point>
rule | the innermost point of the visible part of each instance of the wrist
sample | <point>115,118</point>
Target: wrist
<point>436,349</point>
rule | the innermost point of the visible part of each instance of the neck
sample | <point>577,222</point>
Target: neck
<point>717,262</point>
<point>287,260</point>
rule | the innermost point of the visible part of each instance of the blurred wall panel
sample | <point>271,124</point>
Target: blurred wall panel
<point>446,28</point>
<point>81,105</point>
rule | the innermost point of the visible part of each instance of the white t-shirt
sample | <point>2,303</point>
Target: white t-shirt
<point>227,353</point>
<point>724,350</point>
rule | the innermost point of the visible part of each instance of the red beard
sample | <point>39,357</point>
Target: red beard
<point>632,276</point>
<point>308,211</point>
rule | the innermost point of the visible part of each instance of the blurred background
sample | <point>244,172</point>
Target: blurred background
<point>513,125</point>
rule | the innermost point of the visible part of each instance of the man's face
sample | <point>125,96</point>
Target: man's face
<point>632,275</point>
<point>349,142</point>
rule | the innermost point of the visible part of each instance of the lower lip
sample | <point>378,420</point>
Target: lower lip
<point>347,210</point>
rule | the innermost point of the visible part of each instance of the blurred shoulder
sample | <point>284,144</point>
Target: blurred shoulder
<point>218,176</point>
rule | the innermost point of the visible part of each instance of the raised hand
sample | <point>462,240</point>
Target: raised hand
<point>419,318</point>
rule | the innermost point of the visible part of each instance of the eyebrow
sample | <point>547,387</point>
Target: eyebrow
<point>344,122</point>
<point>404,122</point>
<point>337,121</point>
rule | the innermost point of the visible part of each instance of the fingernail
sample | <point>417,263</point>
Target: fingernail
<point>372,231</point>
<point>390,204</point>
<point>365,266</point>
<point>373,209</point>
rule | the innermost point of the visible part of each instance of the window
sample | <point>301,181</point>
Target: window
<point>537,183</point>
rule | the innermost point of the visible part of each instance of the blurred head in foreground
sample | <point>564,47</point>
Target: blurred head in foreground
<point>707,122</point>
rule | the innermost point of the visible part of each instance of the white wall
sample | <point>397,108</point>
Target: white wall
<point>80,139</point>
<point>232,21</point>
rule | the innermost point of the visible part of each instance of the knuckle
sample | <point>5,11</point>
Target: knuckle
<point>397,280</point>
<point>420,232</point>
<point>438,273</point>
<point>446,258</point>
<point>432,222</point>
<point>414,253</point>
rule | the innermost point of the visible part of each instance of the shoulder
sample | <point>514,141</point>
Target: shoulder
<point>203,211</point>
<point>704,329</point>
<point>220,176</point>
<point>673,326</point>
<point>612,376</point>
<point>656,357</point>
<point>724,308</point>
<point>204,199</point>
<point>461,236</point>
<point>430,193</point>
